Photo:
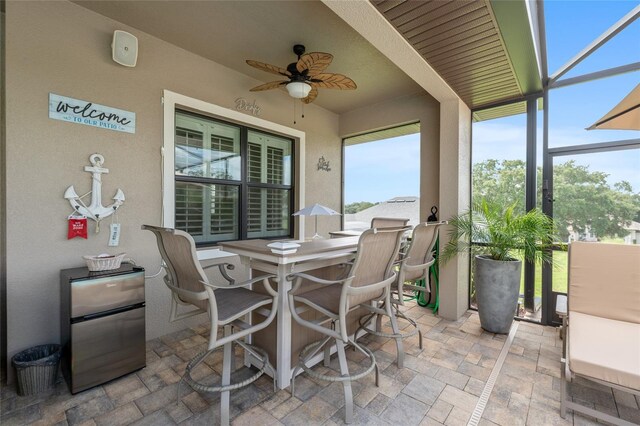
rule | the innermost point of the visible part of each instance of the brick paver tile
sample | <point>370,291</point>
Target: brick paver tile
<point>459,398</point>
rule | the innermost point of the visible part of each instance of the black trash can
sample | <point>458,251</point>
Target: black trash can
<point>36,368</point>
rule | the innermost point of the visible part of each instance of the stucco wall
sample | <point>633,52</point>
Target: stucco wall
<point>455,187</point>
<point>409,109</point>
<point>63,48</point>
<point>3,247</point>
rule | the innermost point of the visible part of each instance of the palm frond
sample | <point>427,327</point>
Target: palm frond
<point>500,233</point>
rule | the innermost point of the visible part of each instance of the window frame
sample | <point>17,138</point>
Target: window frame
<point>174,101</point>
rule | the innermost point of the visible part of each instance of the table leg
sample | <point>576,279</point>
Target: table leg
<point>283,367</point>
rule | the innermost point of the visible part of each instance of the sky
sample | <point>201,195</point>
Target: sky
<point>381,170</point>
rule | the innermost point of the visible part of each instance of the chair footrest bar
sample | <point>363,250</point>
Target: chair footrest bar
<point>312,348</point>
<point>200,387</point>
<point>368,318</point>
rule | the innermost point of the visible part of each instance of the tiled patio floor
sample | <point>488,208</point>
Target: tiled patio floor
<point>439,385</point>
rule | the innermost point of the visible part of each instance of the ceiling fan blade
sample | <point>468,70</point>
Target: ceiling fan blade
<point>315,62</point>
<point>334,81</point>
<point>269,86</point>
<point>269,68</point>
<point>313,94</point>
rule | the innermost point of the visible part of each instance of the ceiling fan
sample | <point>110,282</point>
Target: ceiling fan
<point>304,76</point>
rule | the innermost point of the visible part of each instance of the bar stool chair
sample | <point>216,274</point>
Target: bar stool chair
<point>386,222</point>
<point>226,305</point>
<point>414,266</point>
<point>368,279</point>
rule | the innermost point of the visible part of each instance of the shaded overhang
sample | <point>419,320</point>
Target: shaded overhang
<point>481,51</point>
<point>486,51</point>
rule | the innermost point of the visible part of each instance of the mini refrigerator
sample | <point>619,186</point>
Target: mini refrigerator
<point>102,324</point>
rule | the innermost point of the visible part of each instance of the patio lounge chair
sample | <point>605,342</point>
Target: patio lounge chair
<point>414,266</point>
<point>227,306</point>
<point>602,325</point>
<point>368,279</point>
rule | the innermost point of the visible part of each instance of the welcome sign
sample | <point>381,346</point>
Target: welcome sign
<point>90,114</point>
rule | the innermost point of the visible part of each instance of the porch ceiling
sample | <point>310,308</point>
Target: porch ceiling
<point>229,32</point>
<point>480,48</point>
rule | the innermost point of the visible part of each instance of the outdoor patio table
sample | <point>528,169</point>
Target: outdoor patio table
<point>284,339</point>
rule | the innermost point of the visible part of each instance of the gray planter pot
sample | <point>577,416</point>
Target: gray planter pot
<point>497,288</point>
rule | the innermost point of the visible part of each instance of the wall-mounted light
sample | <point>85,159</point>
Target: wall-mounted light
<point>298,89</point>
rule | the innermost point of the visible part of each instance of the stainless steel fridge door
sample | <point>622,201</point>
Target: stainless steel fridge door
<point>103,294</point>
<point>106,348</point>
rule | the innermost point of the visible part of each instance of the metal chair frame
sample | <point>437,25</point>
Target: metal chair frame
<point>234,327</point>
<point>377,312</point>
<point>338,327</point>
<point>566,374</point>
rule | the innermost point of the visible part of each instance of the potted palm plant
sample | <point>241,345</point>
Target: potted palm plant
<point>498,238</point>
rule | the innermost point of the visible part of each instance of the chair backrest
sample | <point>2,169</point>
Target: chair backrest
<point>420,249</point>
<point>377,251</point>
<point>604,280</point>
<point>388,222</point>
<point>178,251</point>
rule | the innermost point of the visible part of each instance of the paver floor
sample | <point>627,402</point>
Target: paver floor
<point>439,385</point>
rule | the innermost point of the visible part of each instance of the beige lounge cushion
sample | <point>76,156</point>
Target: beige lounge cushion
<point>604,280</point>
<point>605,349</point>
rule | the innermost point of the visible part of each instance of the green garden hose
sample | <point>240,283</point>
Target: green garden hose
<point>435,284</point>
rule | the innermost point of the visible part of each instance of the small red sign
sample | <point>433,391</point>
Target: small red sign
<point>77,227</point>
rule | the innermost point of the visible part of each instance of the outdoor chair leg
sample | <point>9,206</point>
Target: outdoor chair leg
<point>327,355</point>
<point>226,380</point>
<point>396,330</point>
<point>378,322</point>
<point>293,380</point>
<point>344,370</point>
<point>563,391</point>
<point>234,361</point>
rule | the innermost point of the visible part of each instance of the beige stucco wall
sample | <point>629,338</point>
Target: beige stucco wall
<point>3,248</point>
<point>63,48</point>
<point>410,109</point>
<point>455,190</point>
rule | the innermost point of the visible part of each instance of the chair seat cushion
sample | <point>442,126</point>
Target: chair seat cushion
<point>325,299</point>
<point>235,302</point>
<point>605,349</point>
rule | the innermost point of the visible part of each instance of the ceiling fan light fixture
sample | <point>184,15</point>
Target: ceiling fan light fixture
<point>298,89</point>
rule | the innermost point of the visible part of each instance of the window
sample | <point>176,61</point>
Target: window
<point>382,176</point>
<point>231,182</point>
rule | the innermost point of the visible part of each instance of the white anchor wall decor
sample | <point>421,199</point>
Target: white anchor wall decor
<point>95,210</point>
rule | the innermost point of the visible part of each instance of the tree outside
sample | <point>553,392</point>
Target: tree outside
<point>586,203</point>
<point>357,207</point>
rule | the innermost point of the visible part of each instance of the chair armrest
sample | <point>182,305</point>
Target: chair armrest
<point>419,267</point>
<point>241,284</point>
<point>221,267</point>
<point>402,257</point>
<point>561,305</point>
<point>299,275</point>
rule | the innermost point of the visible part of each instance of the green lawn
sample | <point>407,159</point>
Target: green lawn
<point>559,271</point>
<point>558,274</point>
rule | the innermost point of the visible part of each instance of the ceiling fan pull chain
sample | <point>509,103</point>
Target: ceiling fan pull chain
<point>302,109</point>
<point>294,111</point>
